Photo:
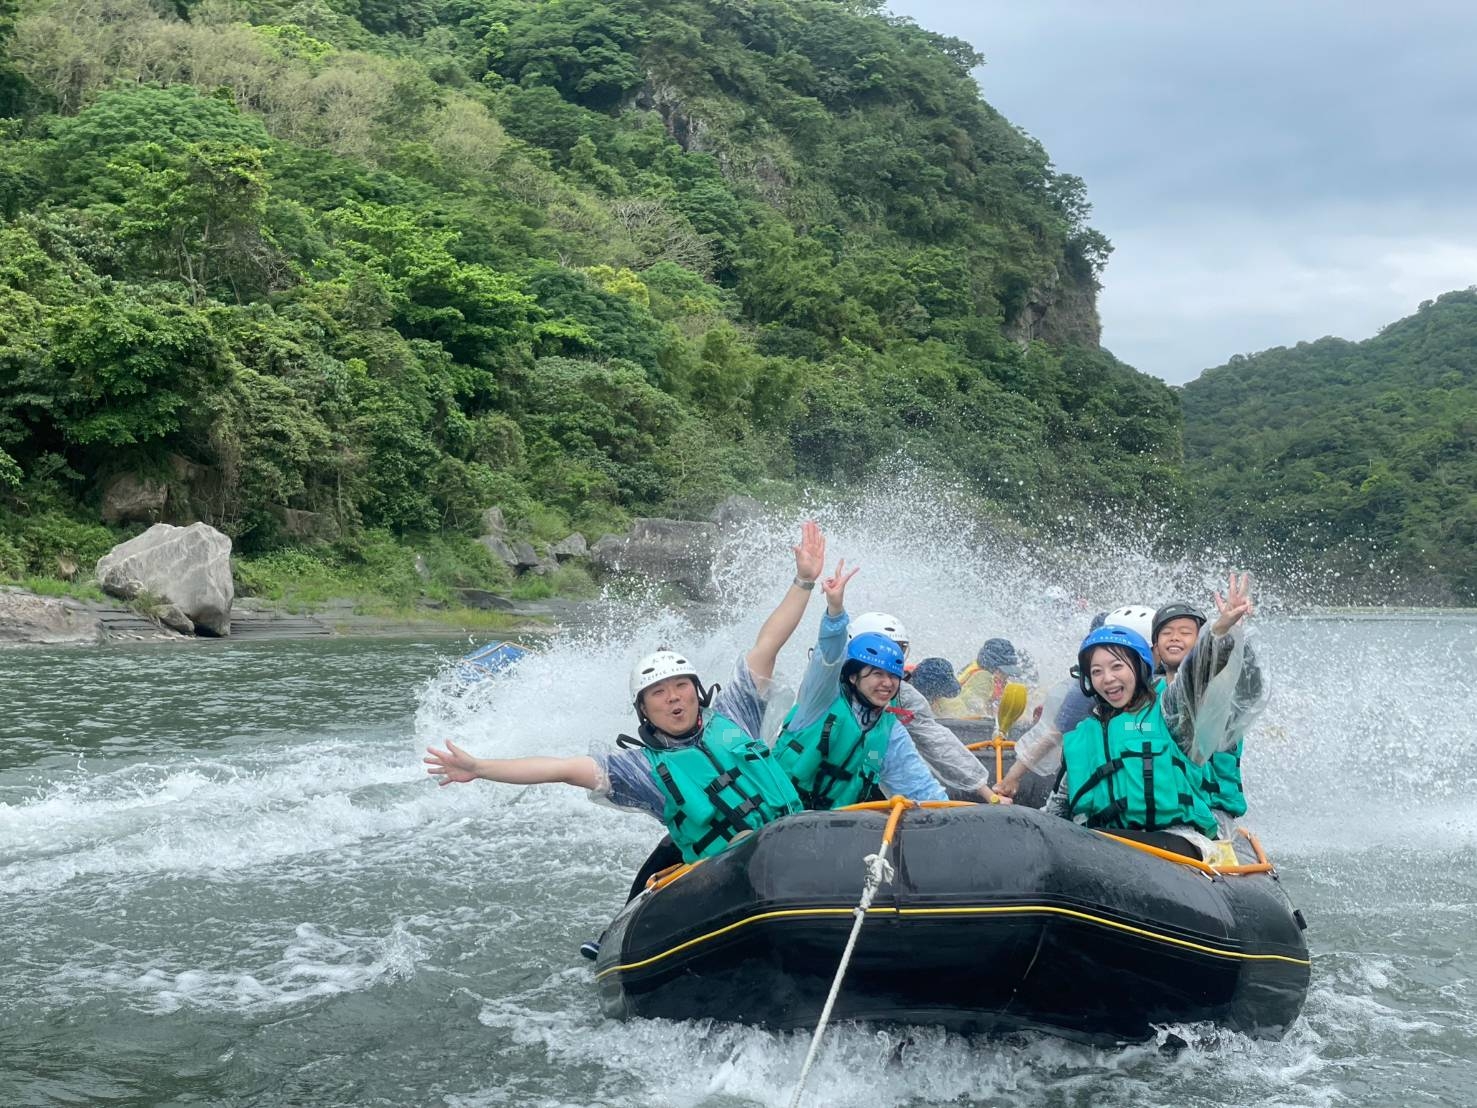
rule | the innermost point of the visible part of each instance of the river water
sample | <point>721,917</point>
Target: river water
<point>226,879</point>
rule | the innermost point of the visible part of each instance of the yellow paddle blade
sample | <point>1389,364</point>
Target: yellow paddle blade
<point>1012,704</point>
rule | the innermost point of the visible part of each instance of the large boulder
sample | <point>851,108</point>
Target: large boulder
<point>25,618</point>
<point>186,568</point>
<point>129,498</point>
<point>670,551</point>
<point>574,546</point>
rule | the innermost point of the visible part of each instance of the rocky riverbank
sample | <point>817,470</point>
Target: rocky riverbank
<point>175,583</point>
<point>28,619</point>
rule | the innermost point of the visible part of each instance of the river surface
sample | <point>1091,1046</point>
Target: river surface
<point>226,880</point>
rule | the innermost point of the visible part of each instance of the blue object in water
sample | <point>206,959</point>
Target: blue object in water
<point>496,657</point>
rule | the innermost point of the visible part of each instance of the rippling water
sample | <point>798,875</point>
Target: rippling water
<point>226,880</point>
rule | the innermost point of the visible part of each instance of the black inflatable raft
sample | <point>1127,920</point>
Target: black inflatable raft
<point>998,918</point>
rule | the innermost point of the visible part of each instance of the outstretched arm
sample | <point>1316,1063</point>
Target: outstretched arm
<point>810,557</point>
<point>455,766</point>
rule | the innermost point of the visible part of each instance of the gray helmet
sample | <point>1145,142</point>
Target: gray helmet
<point>1176,609</point>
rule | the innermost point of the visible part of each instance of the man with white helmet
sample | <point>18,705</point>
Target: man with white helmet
<point>697,763</point>
<point>953,765</point>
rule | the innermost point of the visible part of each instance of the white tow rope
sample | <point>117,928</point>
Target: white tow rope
<point>879,872</point>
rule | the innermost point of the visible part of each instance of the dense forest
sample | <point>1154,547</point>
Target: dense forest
<point>346,271</point>
<point>1360,457</point>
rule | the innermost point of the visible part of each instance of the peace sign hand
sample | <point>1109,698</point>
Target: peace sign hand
<point>834,587</point>
<point>1235,605</point>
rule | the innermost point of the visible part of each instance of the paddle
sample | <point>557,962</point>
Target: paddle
<point>1012,704</point>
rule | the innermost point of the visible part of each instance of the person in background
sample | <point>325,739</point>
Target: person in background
<point>953,766</point>
<point>1039,750</point>
<point>983,681</point>
<point>841,744</point>
<point>934,678</point>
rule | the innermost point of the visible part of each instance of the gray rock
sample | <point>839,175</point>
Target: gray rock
<point>572,547</point>
<point>526,556</point>
<point>547,564</point>
<point>176,620</point>
<point>129,498</point>
<point>25,618</point>
<point>188,567</point>
<point>481,598</point>
<point>493,523</point>
<point>670,551</point>
<point>499,550</point>
<point>736,512</point>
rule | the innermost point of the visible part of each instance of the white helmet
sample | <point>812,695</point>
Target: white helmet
<point>879,623</point>
<point>1136,618</point>
<point>658,667</point>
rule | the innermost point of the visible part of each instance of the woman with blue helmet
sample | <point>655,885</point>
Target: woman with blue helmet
<point>841,744</point>
<point>1136,765</point>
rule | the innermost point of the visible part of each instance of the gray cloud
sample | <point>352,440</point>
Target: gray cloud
<point>1268,171</point>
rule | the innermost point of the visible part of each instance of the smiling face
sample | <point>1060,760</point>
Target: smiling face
<point>671,705</point>
<point>1174,640</point>
<point>877,687</point>
<point>1113,678</point>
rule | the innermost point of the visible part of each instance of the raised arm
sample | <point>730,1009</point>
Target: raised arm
<point>454,766</point>
<point>822,678</point>
<point>810,560</point>
<point>1220,688</point>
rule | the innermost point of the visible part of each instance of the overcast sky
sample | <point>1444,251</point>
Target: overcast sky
<point>1269,171</point>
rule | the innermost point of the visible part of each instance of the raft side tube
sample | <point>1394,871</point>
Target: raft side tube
<point>998,918</point>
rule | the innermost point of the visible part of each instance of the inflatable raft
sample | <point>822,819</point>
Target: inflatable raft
<point>998,918</point>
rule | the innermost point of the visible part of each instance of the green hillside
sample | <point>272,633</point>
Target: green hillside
<point>346,267</point>
<point>1359,457</point>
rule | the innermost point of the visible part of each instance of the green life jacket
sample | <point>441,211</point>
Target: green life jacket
<point>1223,780</point>
<point>1130,773</point>
<point>722,785</point>
<point>833,762</point>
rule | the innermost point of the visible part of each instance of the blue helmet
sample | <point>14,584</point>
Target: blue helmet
<point>1113,635</point>
<point>872,648</point>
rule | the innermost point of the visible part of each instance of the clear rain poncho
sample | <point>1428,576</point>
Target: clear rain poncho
<point>1217,695</point>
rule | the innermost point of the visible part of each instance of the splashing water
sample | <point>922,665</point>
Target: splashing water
<point>228,879</point>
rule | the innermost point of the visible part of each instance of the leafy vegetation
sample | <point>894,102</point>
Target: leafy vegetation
<point>381,266</point>
<point>1360,457</point>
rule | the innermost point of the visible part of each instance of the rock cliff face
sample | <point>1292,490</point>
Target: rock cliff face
<point>1063,311</point>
